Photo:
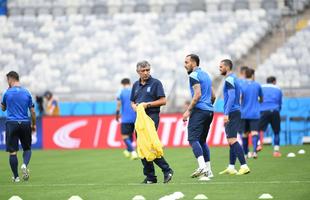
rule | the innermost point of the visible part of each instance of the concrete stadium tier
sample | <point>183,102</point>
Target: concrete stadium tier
<point>100,7</point>
<point>290,63</point>
<point>75,55</point>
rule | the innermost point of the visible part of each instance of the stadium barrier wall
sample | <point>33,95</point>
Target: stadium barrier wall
<point>88,132</point>
<point>87,108</point>
<point>292,107</point>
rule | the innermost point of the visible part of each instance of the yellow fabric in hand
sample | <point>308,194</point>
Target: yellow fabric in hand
<point>148,143</point>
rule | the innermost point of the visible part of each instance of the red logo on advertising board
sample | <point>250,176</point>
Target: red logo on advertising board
<point>104,132</point>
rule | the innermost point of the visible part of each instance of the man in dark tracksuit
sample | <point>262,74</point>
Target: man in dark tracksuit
<point>149,92</point>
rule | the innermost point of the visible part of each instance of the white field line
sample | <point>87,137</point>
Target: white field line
<point>158,184</point>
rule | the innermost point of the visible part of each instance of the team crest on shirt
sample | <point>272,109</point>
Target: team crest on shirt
<point>148,89</point>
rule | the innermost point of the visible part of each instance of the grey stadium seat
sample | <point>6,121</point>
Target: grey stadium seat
<point>169,6</point>
<point>269,4</point>
<point>100,9</point>
<point>13,11</point>
<point>85,10</point>
<point>183,6</point>
<point>30,11</point>
<point>128,6</point>
<point>142,6</point>
<point>198,5</point>
<point>241,4</point>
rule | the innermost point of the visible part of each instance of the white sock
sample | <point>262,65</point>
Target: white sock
<point>201,162</point>
<point>244,166</point>
<point>23,165</point>
<point>276,148</point>
<point>231,166</point>
<point>208,165</point>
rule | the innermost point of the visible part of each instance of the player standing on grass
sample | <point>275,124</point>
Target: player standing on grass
<point>200,114</point>
<point>270,111</point>
<point>128,116</point>
<point>17,101</point>
<point>251,97</point>
<point>149,92</point>
<point>232,118</point>
<point>245,137</point>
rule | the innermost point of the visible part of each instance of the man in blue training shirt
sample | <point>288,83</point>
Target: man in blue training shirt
<point>128,118</point>
<point>270,111</point>
<point>242,80</point>
<point>251,97</point>
<point>17,101</point>
<point>232,118</point>
<point>200,114</point>
<point>149,92</point>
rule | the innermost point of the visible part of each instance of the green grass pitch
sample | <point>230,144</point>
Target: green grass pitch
<point>106,174</point>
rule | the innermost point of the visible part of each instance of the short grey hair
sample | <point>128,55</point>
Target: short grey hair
<point>143,64</point>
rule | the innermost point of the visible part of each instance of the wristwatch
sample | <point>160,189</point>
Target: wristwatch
<point>148,105</point>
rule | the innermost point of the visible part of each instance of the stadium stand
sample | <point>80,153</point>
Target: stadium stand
<point>290,62</point>
<point>86,7</point>
<point>81,49</point>
<point>76,53</point>
<point>55,42</point>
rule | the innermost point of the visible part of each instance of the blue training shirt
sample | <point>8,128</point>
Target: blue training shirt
<point>272,97</point>
<point>231,92</point>
<point>250,105</point>
<point>128,114</point>
<point>17,101</point>
<point>201,77</point>
<point>242,81</point>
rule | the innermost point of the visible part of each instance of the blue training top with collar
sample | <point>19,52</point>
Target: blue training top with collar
<point>128,114</point>
<point>17,101</point>
<point>250,105</point>
<point>231,93</point>
<point>201,77</point>
<point>272,98</point>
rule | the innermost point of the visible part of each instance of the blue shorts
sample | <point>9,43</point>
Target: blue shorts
<point>249,125</point>
<point>271,117</point>
<point>18,131</point>
<point>127,128</point>
<point>199,125</point>
<point>233,126</point>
